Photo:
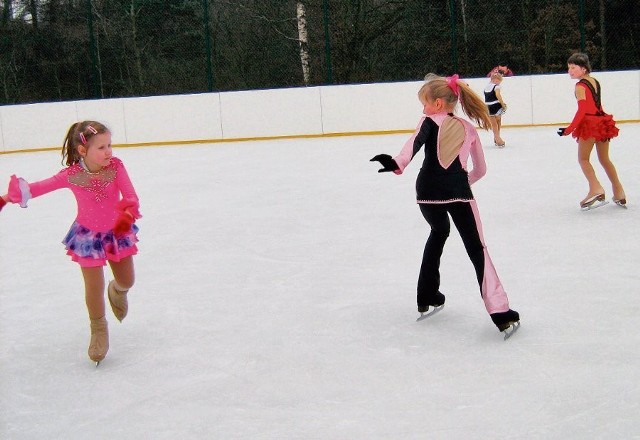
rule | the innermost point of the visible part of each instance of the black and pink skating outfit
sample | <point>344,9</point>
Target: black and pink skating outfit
<point>443,189</point>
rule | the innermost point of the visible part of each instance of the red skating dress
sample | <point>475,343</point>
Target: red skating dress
<point>590,120</point>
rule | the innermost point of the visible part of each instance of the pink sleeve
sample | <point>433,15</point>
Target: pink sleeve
<point>406,154</point>
<point>477,157</point>
<point>129,200</point>
<point>20,191</point>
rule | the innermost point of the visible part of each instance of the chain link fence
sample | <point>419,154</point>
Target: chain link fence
<point>53,50</point>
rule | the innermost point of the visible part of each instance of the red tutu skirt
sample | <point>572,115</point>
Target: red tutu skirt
<point>600,127</point>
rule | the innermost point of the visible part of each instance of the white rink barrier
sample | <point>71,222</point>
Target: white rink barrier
<point>297,112</point>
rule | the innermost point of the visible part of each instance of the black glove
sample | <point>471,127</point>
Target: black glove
<point>561,131</point>
<point>387,162</point>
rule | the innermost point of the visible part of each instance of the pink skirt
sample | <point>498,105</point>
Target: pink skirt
<point>93,249</point>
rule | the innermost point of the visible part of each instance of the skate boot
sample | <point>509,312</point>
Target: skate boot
<point>507,322</point>
<point>437,302</point>
<point>118,300</point>
<point>592,202</point>
<point>620,202</point>
<point>99,344</point>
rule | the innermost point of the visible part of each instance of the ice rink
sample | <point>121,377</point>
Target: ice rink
<point>275,299</point>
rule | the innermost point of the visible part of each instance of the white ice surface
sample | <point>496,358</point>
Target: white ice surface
<point>275,299</point>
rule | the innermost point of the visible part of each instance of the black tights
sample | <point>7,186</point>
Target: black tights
<point>437,215</point>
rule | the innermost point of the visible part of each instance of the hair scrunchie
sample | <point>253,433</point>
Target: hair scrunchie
<point>452,82</point>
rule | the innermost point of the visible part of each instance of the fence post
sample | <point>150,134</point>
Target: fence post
<point>93,53</point>
<point>207,44</point>
<point>327,43</point>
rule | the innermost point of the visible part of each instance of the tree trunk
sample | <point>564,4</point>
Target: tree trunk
<point>33,10</point>
<point>137,53</point>
<point>303,40</point>
<point>463,7</point>
<point>7,12</point>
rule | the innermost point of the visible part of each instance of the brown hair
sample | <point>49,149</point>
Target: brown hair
<point>472,105</point>
<point>79,134</point>
<point>580,59</point>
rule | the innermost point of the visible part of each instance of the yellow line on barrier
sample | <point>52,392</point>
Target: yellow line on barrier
<point>283,137</point>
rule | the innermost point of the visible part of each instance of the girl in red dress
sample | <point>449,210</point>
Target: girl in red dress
<point>592,126</point>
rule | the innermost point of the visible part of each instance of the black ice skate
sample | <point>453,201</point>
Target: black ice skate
<point>507,322</point>
<point>437,303</point>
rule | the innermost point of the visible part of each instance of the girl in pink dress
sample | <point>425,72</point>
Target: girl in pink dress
<point>443,190</point>
<point>103,231</point>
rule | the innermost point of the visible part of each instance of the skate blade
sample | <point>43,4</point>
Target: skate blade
<point>424,316</point>
<point>509,331</point>
<point>620,204</point>
<point>594,205</point>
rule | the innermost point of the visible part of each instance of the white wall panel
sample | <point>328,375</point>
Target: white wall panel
<point>370,107</point>
<point>174,118</point>
<point>264,113</point>
<point>312,111</point>
<point>620,94</point>
<point>34,126</point>
<point>552,98</point>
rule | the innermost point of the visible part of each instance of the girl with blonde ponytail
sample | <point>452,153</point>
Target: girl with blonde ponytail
<point>443,190</point>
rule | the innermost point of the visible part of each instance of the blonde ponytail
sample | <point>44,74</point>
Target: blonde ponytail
<point>453,90</point>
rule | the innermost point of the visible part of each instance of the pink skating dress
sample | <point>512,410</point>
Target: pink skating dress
<point>101,197</point>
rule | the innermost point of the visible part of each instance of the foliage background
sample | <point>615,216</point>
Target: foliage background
<point>53,50</point>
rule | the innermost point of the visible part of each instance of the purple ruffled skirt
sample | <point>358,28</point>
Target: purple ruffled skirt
<point>91,249</point>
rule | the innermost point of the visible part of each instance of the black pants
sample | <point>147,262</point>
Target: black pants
<point>437,215</point>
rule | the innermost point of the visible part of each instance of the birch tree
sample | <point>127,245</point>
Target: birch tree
<point>303,41</point>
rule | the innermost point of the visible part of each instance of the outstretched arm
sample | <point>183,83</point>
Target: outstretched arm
<point>20,191</point>
<point>411,147</point>
<point>387,162</point>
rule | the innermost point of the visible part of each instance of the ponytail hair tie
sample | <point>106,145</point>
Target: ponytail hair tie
<point>452,82</point>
